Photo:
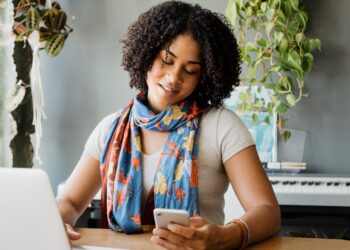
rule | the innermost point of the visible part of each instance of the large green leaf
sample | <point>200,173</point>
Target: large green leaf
<point>262,42</point>
<point>283,46</point>
<point>32,19</point>
<point>308,60</point>
<point>301,19</point>
<point>282,108</point>
<point>299,37</point>
<point>263,6</point>
<point>286,7</point>
<point>294,60</point>
<point>311,44</point>
<point>295,4</point>
<point>290,98</point>
<point>231,11</point>
<point>286,135</point>
<point>270,14</point>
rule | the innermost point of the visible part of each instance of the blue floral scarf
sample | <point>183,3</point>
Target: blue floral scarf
<point>176,178</point>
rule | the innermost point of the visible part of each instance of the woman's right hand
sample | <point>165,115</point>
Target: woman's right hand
<point>72,234</point>
<point>78,191</point>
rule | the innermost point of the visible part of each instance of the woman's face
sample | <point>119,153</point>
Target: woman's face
<point>174,74</point>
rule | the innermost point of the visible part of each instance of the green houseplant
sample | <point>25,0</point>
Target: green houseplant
<point>49,21</point>
<point>276,52</point>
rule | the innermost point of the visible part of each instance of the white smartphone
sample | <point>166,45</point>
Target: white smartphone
<point>164,216</point>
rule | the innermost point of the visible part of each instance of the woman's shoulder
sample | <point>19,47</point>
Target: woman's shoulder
<point>106,121</point>
<point>97,137</point>
<point>221,113</point>
<point>222,119</point>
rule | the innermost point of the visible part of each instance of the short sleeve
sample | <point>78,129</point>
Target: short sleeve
<point>233,135</point>
<point>95,142</point>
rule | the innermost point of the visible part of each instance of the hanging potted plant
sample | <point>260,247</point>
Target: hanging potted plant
<point>276,53</point>
<point>37,25</point>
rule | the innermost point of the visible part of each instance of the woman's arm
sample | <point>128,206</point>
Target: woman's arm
<point>80,188</point>
<point>255,193</point>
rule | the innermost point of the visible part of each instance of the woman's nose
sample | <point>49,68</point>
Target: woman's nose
<point>174,76</point>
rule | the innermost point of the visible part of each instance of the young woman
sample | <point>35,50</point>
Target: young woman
<point>174,145</point>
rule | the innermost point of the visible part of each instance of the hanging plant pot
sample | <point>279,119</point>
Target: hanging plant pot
<point>37,25</point>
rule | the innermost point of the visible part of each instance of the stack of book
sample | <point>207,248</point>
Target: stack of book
<point>281,167</point>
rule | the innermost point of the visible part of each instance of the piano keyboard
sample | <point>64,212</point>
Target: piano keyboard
<point>311,190</point>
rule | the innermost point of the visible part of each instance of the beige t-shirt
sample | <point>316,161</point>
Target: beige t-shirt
<point>222,135</point>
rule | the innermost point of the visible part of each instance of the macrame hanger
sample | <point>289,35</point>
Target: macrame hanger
<point>37,89</point>
<point>37,92</point>
<point>48,4</point>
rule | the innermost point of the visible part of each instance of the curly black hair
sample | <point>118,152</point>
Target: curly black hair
<point>157,27</point>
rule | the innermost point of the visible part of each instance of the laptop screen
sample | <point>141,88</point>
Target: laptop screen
<point>29,217</point>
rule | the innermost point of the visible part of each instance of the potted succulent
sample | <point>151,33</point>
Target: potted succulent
<point>276,54</point>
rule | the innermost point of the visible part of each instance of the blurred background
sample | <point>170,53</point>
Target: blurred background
<point>85,82</point>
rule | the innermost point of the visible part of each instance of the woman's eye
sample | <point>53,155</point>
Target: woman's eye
<point>166,62</point>
<point>191,72</point>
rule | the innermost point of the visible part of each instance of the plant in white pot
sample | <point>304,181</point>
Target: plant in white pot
<point>276,54</point>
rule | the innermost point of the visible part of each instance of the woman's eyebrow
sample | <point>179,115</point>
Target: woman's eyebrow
<point>172,54</point>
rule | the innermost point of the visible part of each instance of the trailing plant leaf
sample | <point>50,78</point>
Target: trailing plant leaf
<point>299,37</point>
<point>50,18</point>
<point>255,118</point>
<point>21,8</point>
<point>55,44</point>
<point>19,29</point>
<point>262,42</point>
<point>32,19</point>
<point>38,2</point>
<point>283,46</point>
<point>287,135</point>
<point>44,34</point>
<point>308,60</point>
<point>56,5</point>
<point>295,4</point>
<point>60,20</point>
<point>282,108</point>
<point>51,23</point>
<point>267,120</point>
<point>291,100</point>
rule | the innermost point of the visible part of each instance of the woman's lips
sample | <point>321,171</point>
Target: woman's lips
<point>168,89</point>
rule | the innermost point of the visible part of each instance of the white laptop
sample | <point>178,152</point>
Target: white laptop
<point>29,217</point>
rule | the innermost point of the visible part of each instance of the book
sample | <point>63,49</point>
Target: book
<point>285,165</point>
<point>293,165</point>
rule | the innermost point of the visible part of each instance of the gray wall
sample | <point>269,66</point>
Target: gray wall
<point>325,115</point>
<point>85,82</point>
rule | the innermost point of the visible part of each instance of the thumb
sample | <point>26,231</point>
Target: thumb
<point>197,222</point>
<point>72,234</point>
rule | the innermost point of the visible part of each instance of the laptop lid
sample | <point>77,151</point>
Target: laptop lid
<point>29,217</point>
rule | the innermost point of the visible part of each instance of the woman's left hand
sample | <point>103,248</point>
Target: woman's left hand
<point>201,234</point>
